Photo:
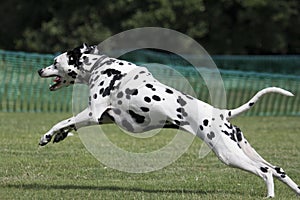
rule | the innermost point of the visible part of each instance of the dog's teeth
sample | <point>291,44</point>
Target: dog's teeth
<point>57,79</point>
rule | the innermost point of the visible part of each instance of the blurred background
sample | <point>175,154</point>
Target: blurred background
<point>254,43</point>
<point>221,27</point>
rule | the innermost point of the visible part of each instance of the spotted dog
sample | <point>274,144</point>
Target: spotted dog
<point>128,95</point>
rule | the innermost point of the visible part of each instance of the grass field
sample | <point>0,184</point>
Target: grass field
<point>68,171</point>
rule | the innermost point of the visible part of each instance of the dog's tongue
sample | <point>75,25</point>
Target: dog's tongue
<point>57,79</point>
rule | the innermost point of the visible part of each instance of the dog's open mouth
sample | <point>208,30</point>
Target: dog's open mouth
<point>57,83</point>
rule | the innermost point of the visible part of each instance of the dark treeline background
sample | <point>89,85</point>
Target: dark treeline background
<point>220,26</point>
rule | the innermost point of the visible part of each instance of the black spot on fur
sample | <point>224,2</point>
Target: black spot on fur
<point>278,170</point>
<point>225,132</point>
<point>201,127</point>
<point>120,102</point>
<point>264,169</point>
<point>229,113</point>
<point>101,83</point>
<point>181,101</point>
<point>222,117</point>
<point>169,91</point>
<point>179,110</point>
<point>156,98</point>
<point>110,72</point>
<point>147,99</point>
<point>205,122</point>
<point>149,85</point>
<point>73,74</point>
<point>120,94</point>
<point>135,92</point>
<point>131,91</point>
<point>101,90</point>
<point>138,118</point>
<point>48,136</point>
<point>211,135</point>
<point>90,114</point>
<point>179,116</point>
<point>136,77</point>
<point>239,136</point>
<point>117,111</point>
<point>251,104</point>
<point>95,96</point>
<point>116,76</point>
<point>228,126</point>
<point>282,175</point>
<point>144,109</point>
<point>182,111</point>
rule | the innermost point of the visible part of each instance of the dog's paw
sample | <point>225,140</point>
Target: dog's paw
<point>60,136</point>
<point>45,140</point>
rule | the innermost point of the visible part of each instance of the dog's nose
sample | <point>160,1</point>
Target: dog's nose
<point>40,72</point>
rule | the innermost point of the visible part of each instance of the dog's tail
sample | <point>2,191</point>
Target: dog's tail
<point>235,112</point>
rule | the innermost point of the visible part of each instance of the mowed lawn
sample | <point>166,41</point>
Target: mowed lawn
<point>67,170</point>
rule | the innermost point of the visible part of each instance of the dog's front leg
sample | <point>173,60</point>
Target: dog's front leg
<point>60,130</point>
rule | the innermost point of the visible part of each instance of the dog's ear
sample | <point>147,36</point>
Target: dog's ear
<point>86,49</point>
<point>74,56</point>
<point>85,46</point>
<point>94,50</point>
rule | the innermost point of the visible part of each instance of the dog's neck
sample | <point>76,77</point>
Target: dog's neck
<point>89,63</point>
<point>91,60</point>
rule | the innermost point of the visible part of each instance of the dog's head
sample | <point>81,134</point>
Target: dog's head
<point>67,67</point>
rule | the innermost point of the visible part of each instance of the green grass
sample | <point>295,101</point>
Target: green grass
<point>68,171</point>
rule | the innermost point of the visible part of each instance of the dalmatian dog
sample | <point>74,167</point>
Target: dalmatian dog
<point>129,96</point>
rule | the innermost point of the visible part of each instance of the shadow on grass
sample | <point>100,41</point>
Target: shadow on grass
<point>116,188</point>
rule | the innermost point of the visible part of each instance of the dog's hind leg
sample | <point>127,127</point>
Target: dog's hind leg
<point>238,159</point>
<point>266,167</point>
<point>282,176</point>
